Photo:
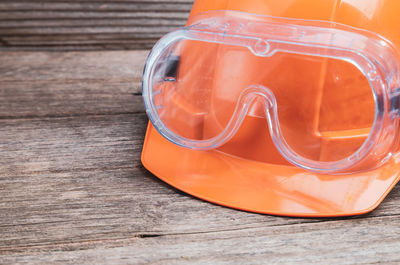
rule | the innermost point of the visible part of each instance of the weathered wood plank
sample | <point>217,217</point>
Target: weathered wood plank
<point>52,25</point>
<point>69,98</point>
<point>93,22</point>
<point>142,30</point>
<point>40,66</point>
<point>78,42</point>
<point>301,244</point>
<point>98,5</point>
<point>54,84</point>
<point>10,15</point>
<point>76,143</point>
<point>45,45</point>
<point>364,241</point>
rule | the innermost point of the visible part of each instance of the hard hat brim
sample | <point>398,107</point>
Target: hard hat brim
<point>266,188</point>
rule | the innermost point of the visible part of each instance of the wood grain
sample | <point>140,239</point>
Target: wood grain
<point>342,242</point>
<point>67,84</point>
<point>48,66</point>
<point>87,24</point>
<point>73,190</point>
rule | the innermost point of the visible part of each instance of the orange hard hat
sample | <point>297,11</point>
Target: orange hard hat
<point>284,107</point>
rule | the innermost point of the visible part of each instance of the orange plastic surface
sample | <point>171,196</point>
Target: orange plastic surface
<point>248,172</point>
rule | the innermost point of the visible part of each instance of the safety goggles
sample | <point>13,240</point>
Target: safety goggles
<point>328,92</point>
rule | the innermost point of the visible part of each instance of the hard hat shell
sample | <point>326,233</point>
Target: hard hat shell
<point>241,174</point>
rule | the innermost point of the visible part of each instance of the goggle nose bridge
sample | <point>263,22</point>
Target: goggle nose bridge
<point>258,91</point>
<point>245,101</point>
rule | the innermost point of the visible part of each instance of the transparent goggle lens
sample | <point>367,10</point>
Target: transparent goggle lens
<point>200,86</point>
<point>322,90</point>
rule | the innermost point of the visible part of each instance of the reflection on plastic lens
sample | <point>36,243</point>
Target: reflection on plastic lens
<point>198,85</point>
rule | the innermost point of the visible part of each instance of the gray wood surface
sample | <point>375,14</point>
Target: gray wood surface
<point>88,24</point>
<point>73,190</point>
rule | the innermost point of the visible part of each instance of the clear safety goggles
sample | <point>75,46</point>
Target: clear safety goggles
<point>328,92</point>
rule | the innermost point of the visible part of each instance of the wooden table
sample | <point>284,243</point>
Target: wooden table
<point>73,190</point>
